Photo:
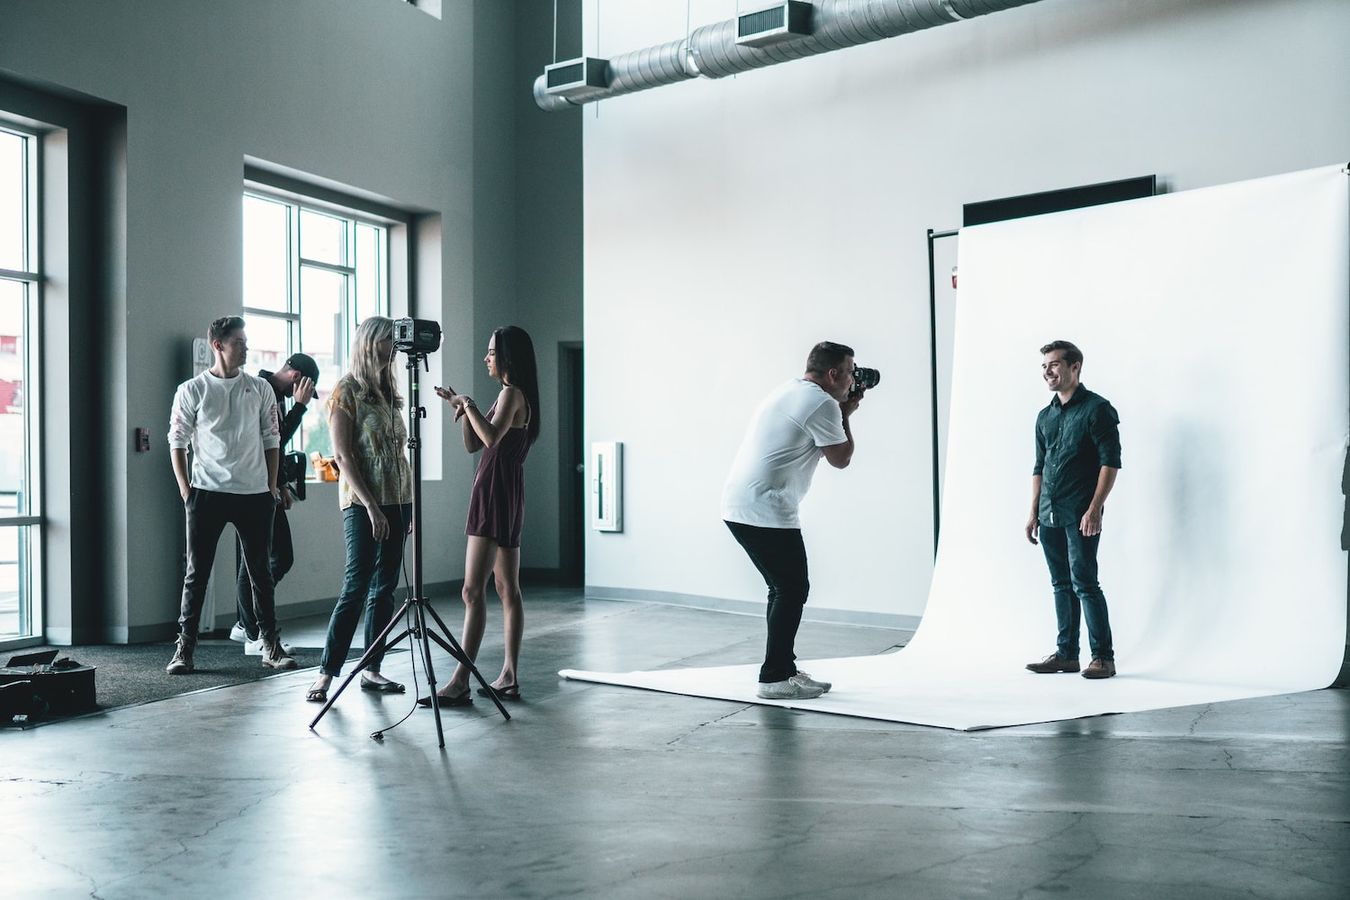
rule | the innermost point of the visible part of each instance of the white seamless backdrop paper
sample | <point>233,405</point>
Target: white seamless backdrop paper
<point>1216,322</point>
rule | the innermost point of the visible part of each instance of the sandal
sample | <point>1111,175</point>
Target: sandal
<point>317,695</point>
<point>458,700</point>
<point>505,692</point>
<point>382,687</point>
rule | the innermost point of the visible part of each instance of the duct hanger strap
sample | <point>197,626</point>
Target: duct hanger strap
<point>950,10</point>
<point>712,51</point>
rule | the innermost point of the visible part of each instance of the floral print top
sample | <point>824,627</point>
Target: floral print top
<point>381,440</point>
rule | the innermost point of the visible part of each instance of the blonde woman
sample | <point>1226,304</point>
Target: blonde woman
<point>375,494</point>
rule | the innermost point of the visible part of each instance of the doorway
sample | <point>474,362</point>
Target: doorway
<point>571,464</point>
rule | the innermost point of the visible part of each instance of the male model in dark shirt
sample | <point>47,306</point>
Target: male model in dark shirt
<point>296,379</point>
<point>1077,459</point>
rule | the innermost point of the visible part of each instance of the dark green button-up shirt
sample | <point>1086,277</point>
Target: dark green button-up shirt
<point>1074,441</point>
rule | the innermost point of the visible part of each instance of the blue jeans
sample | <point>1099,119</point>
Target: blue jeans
<point>1072,559</point>
<point>371,577</point>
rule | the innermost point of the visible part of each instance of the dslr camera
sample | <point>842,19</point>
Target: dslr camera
<point>864,379</point>
<point>417,335</point>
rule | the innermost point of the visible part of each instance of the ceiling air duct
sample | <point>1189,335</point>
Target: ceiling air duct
<point>577,79</point>
<point>775,34</point>
<point>775,24</point>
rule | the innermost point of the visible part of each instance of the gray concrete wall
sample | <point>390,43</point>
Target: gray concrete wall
<point>730,224</point>
<point>549,238</point>
<point>374,94</point>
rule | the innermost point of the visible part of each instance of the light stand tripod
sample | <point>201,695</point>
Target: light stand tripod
<point>420,629</point>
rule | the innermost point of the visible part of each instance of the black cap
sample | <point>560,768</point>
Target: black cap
<point>305,365</point>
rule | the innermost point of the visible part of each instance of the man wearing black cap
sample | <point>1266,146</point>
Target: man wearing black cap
<point>295,379</point>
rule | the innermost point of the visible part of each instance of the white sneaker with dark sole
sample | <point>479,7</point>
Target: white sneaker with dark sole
<point>806,680</point>
<point>791,689</point>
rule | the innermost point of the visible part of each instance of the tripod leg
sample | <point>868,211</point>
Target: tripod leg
<point>420,618</point>
<point>365,660</point>
<point>457,654</point>
<point>453,647</point>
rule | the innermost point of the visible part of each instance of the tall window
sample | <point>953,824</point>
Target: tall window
<point>20,501</point>
<point>311,274</point>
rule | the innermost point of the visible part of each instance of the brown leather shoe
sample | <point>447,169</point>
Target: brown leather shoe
<point>273,657</point>
<point>1053,663</point>
<point>1100,668</point>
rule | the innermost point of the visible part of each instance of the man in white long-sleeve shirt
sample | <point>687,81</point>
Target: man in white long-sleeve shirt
<point>229,419</point>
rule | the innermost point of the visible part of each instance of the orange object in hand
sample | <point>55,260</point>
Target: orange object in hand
<point>325,467</point>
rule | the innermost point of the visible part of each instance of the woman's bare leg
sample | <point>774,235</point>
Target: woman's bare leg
<point>477,565</point>
<point>506,574</point>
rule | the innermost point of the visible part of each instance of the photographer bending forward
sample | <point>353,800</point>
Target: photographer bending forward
<point>798,423</point>
<point>496,505</point>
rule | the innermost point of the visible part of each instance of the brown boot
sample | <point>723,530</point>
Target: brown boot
<point>273,656</point>
<point>182,664</point>
<point>1100,668</point>
<point>1053,663</point>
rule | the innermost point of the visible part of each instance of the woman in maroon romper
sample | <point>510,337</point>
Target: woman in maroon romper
<point>496,504</point>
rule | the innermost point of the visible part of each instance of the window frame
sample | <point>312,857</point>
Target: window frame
<point>30,520</point>
<point>354,214</point>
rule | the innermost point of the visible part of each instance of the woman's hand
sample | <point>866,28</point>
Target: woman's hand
<point>461,402</point>
<point>379,525</point>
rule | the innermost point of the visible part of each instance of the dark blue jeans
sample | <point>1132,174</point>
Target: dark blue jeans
<point>371,577</point>
<point>1072,559</point>
<point>780,556</point>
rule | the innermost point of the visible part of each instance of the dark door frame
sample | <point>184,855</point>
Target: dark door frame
<point>571,454</point>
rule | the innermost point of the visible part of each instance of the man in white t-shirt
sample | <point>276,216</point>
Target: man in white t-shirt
<point>229,419</point>
<point>798,423</point>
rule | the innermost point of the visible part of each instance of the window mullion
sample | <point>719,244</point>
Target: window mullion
<point>26,161</point>
<point>326,266</point>
<point>294,301</point>
<point>32,363</point>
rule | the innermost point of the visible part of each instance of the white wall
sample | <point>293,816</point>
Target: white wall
<point>374,94</point>
<point>731,224</point>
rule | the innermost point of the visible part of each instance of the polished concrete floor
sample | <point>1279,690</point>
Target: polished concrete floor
<point>597,791</point>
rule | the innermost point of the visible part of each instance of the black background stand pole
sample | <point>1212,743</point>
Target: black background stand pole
<point>933,380</point>
<point>420,630</point>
